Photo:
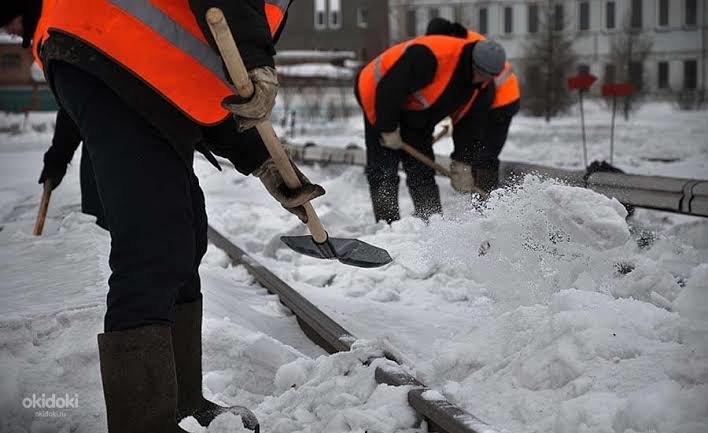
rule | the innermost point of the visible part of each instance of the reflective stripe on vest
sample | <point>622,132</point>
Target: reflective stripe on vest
<point>447,51</point>
<point>159,41</point>
<point>174,32</point>
<point>507,87</point>
<point>460,113</point>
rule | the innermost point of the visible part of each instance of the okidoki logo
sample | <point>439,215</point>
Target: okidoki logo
<point>51,402</point>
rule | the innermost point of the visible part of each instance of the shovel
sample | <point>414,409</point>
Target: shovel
<point>348,251</point>
<point>43,208</point>
<point>415,153</point>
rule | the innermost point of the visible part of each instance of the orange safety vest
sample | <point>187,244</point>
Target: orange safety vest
<point>447,51</point>
<point>275,12</point>
<point>506,91</point>
<point>158,40</point>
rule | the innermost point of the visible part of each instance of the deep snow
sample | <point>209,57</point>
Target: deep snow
<point>572,321</point>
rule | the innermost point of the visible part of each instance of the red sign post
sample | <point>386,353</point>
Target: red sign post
<point>582,83</point>
<point>614,90</point>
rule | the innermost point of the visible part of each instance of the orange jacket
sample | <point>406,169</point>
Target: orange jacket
<point>157,40</point>
<point>447,53</point>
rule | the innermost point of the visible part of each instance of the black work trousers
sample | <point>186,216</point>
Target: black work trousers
<point>382,174</point>
<point>152,203</point>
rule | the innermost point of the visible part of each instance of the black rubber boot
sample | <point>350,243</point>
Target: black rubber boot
<point>139,382</point>
<point>384,199</point>
<point>426,201</point>
<point>187,344</point>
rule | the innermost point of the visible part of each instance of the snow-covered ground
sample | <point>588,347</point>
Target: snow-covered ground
<point>575,320</point>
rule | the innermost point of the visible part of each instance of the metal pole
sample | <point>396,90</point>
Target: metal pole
<point>612,128</point>
<point>582,125</point>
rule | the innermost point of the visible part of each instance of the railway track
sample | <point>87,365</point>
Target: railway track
<point>441,415</point>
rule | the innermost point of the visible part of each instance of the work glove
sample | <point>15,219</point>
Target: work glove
<point>392,140</point>
<point>461,177</point>
<point>249,112</point>
<point>291,200</point>
<point>55,165</point>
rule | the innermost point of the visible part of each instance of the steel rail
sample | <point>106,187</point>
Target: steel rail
<point>670,194</point>
<point>441,415</point>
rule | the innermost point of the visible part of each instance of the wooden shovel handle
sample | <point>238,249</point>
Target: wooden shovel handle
<point>234,64</point>
<point>43,208</point>
<point>415,153</point>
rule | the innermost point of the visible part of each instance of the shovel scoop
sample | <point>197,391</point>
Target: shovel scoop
<point>351,252</point>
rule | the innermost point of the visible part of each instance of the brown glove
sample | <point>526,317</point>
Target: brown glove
<point>466,180</point>
<point>461,177</point>
<point>392,140</point>
<point>250,112</point>
<point>291,200</point>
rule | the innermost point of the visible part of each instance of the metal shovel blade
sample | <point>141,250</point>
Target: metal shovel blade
<point>348,251</point>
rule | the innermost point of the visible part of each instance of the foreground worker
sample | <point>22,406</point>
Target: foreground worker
<point>144,95</point>
<point>480,130</point>
<point>404,93</point>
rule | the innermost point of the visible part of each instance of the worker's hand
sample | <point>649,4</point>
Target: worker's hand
<point>55,165</point>
<point>249,112</point>
<point>392,139</point>
<point>291,200</point>
<point>461,177</point>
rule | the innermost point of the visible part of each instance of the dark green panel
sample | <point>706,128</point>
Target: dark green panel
<point>18,99</point>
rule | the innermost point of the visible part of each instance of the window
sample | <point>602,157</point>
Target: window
<point>320,14</point>
<point>10,61</point>
<point>362,17</point>
<point>411,22</point>
<point>533,18</point>
<point>583,69</point>
<point>558,18</point>
<point>335,14</point>
<point>584,16</point>
<point>636,74</point>
<point>663,75</point>
<point>636,15</point>
<point>690,13</point>
<point>610,15</point>
<point>508,20</point>
<point>663,20</point>
<point>433,13</point>
<point>483,20</point>
<point>690,74</point>
<point>610,73</point>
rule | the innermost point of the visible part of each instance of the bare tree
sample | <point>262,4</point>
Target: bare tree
<point>629,49</point>
<point>548,61</point>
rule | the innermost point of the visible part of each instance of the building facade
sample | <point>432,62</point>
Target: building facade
<point>360,26</point>
<point>22,86</point>
<point>676,59</point>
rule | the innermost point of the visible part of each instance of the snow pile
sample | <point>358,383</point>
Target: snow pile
<point>542,236</point>
<point>582,340</point>
<point>336,393</point>
<point>584,363</point>
<point>569,320</point>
